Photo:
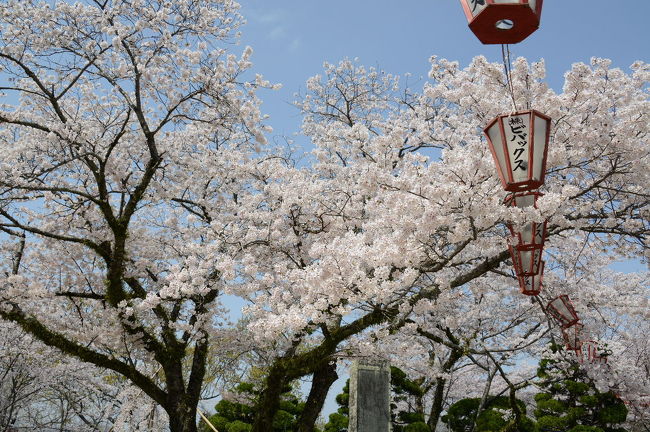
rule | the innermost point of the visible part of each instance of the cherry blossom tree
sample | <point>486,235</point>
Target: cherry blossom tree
<point>136,192</point>
<point>128,134</point>
<point>43,389</point>
<point>378,237</point>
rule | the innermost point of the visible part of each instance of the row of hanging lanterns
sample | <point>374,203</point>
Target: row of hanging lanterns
<point>573,331</point>
<point>527,244</point>
<point>518,142</point>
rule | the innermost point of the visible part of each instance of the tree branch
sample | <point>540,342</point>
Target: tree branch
<point>57,340</point>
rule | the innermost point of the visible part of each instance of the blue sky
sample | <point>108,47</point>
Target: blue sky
<point>292,38</point>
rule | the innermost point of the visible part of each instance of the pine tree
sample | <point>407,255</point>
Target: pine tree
<point>338,421</point>
<point>570,402</point>
<point>461,416</point>
<point>407,410</point>
<point>238,416</point>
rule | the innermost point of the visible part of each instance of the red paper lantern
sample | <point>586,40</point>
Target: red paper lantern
<point>531,285</point>
<point>528,243</point>
<point>562,310</point>
<point>527,262</point>
<point>502,21</point>
<point>573,337</point>
<point>519,144</point>
<point>591,352</point>
<point>532,234</point>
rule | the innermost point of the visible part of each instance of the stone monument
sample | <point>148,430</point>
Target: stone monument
<point>369,396</point>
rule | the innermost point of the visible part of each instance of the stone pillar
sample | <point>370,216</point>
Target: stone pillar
<point>369,396</point>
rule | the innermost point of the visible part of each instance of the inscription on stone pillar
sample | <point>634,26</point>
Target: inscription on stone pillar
<point>370,396</point>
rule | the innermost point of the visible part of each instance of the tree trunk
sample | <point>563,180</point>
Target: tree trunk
<point>183,402</point>
<point>439,396</point>
<point>183,418</point>
<point>322,380</point>
<point>419,399</point>
<point>436,407</point>
<point>270,400</point>
<point>484,398</point>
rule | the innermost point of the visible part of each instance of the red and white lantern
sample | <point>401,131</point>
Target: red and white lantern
<point>519,145</point>
<point>532,234</point>
<point>527,262</point>
<point>562,310</point>
<point>502,21</point>
<point>531,285</point>
<point>528,242</point>
<point>573,337</point>
<point>592,353</point>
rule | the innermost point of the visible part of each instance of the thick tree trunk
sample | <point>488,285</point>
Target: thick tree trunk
<point>270,400</point>
<point>322,380</point>
<point>183,402</point>
<point>183,418</point>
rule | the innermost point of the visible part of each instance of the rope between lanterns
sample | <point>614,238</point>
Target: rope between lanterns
<point>507,68</point>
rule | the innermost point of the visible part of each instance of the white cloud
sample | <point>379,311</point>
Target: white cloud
<point>295,44</point>
<point>277,32</point>
<point>269,17</point>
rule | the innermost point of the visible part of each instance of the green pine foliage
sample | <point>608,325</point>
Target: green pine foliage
<point>495,416</point>
<point>238,417</point>
<point>417,427</point>
<point>570,402</point>
<point>338,421</point>
<point>406,392</point>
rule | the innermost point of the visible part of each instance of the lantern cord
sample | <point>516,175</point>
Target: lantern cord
<point>507,67</point>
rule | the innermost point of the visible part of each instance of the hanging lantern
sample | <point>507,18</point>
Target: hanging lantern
<point>573,337</point>
<point>502,21</point>
<point>527,244</point>
<point>563,311</point>
<point>531,285</point>
<point>519,144</point>
<point>532,235</point>
<point>593,353</point>
<point>527,262</point>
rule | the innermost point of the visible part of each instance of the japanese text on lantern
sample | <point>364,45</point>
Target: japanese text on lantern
<point>517,137</point>
<point>476,6</point>
<point>528,282</point>
<point>475,3</point>
<point>539,235</point>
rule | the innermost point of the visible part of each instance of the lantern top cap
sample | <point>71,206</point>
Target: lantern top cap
<point>516,113</point>
<point>502,21</point>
